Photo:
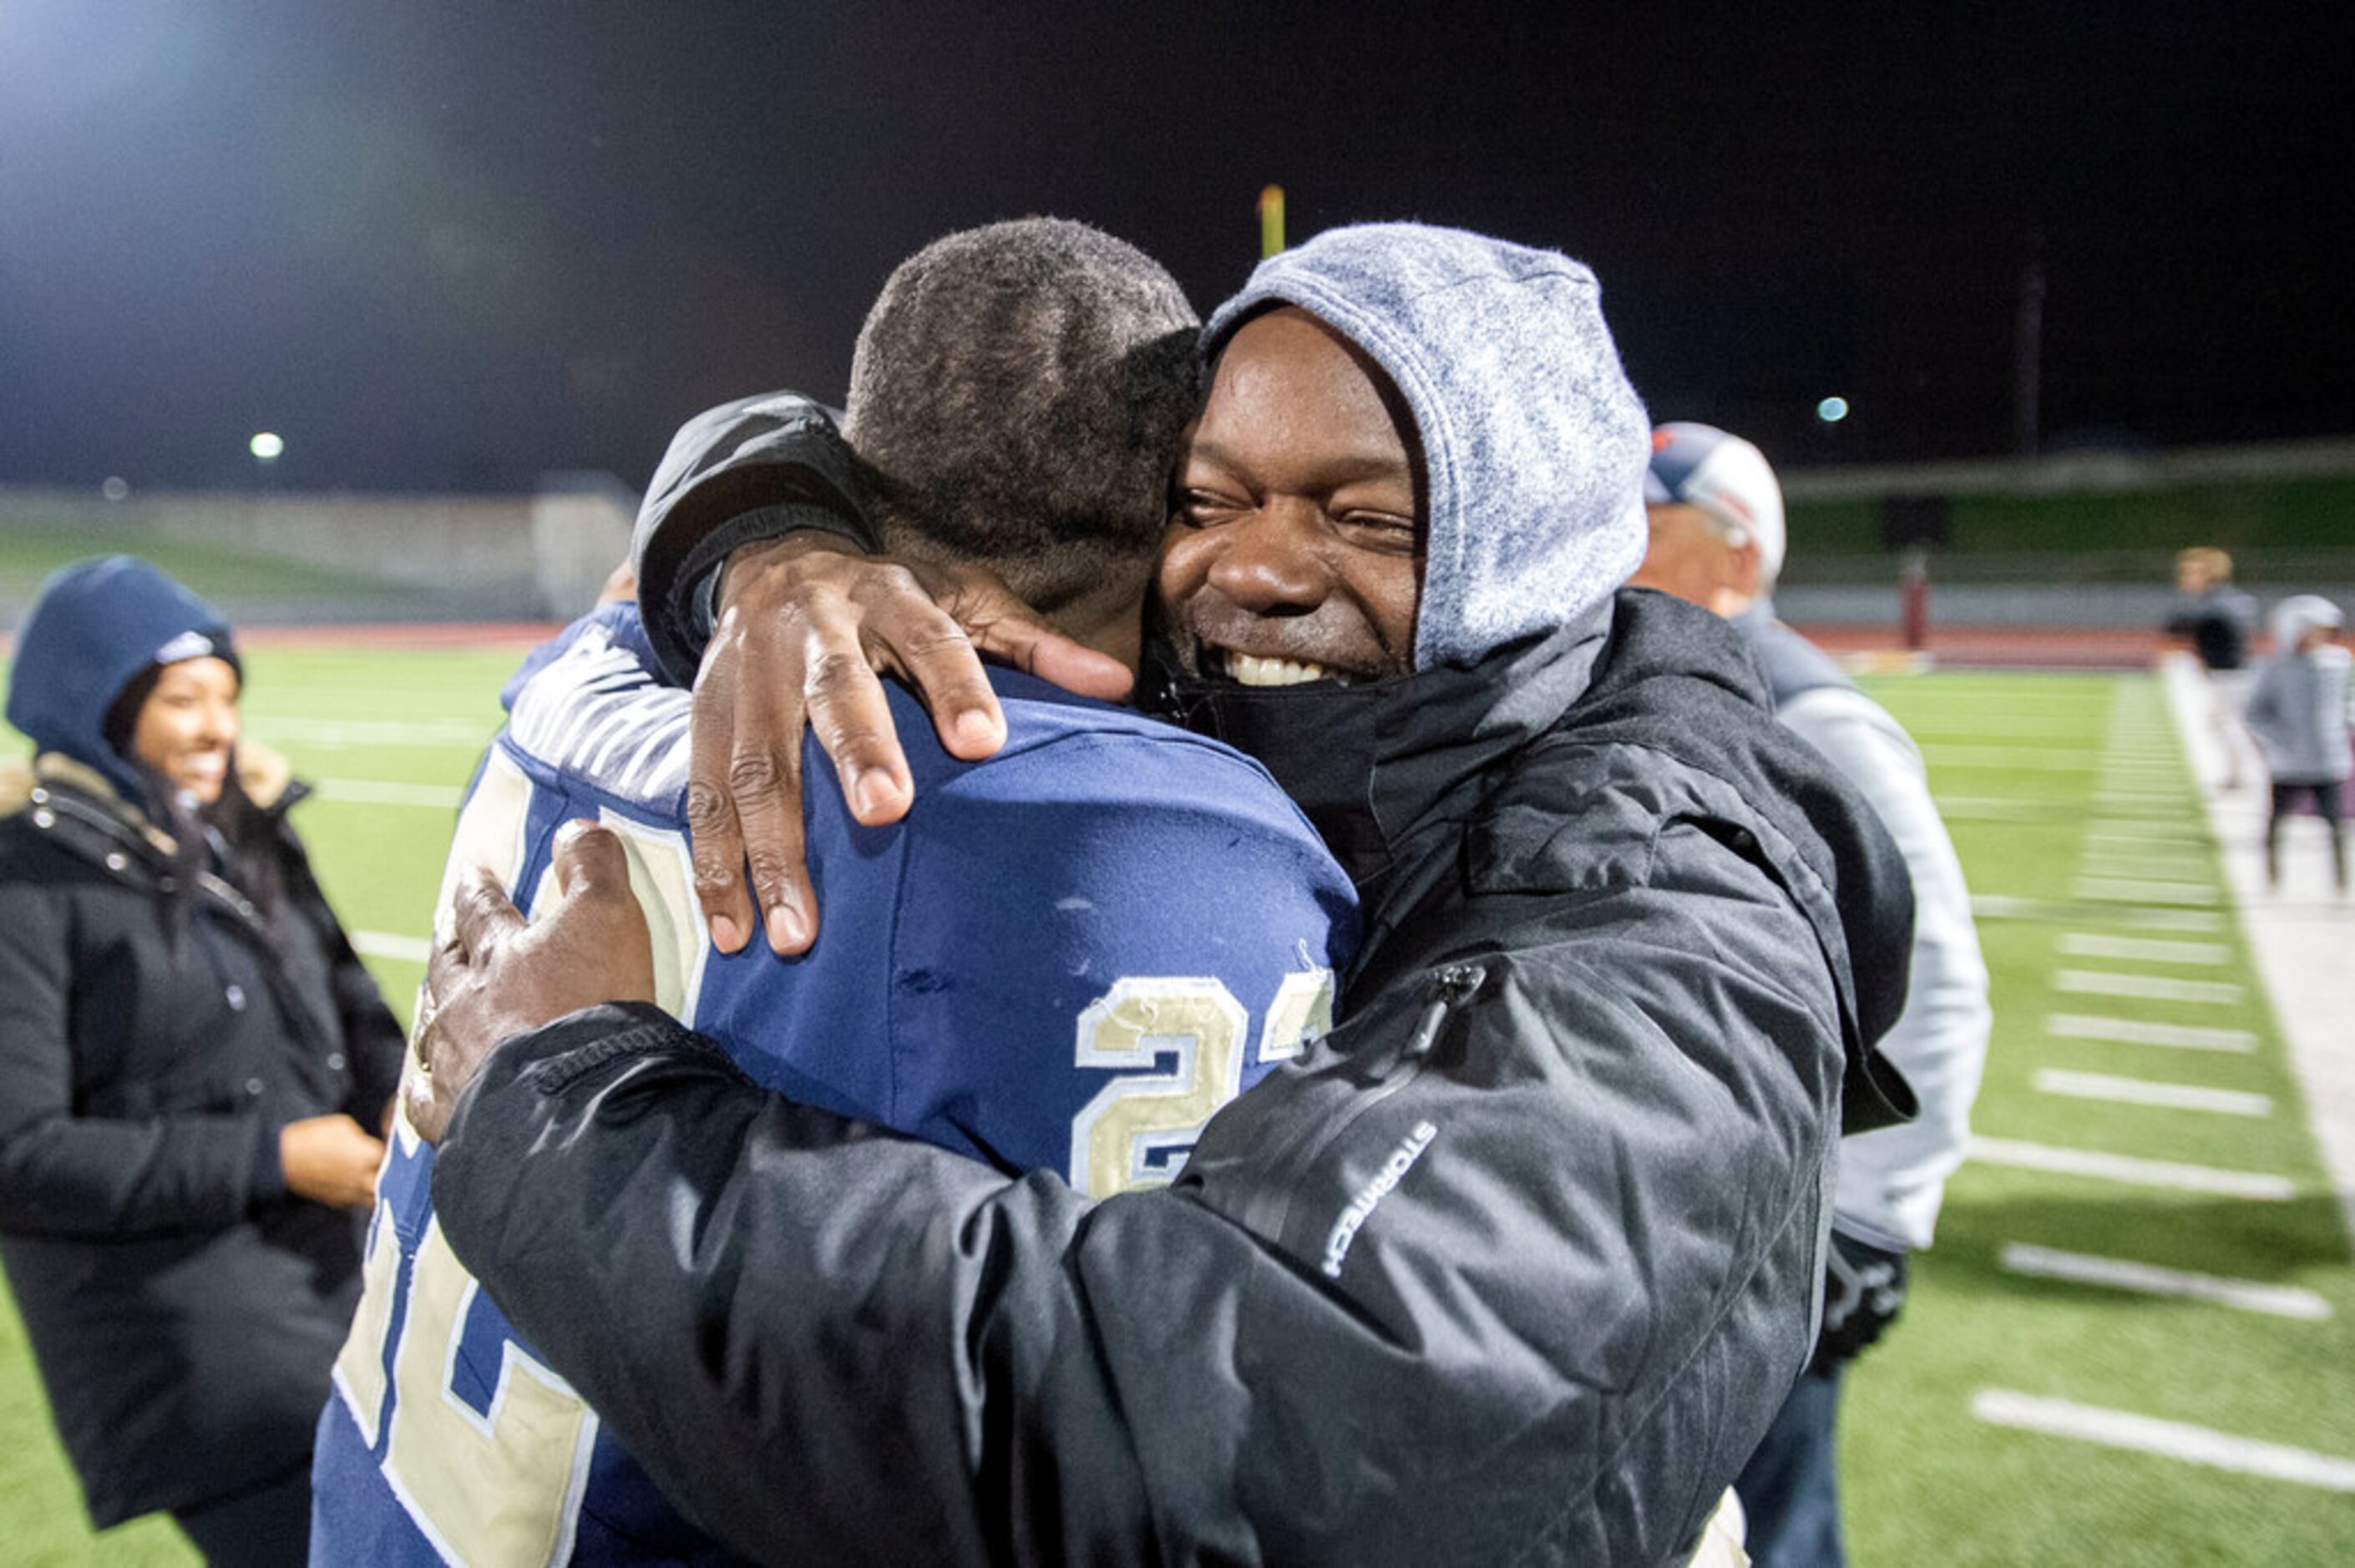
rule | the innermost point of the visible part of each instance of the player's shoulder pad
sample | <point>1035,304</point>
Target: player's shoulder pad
<point>1071,749</point>
<point>589,706</point>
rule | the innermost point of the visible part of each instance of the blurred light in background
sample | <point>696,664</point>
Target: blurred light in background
<point>266,446</point>
<point>1832,411</point>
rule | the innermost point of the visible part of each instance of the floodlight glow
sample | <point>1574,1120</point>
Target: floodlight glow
<point>1832,411</point>
<point>266,446</point>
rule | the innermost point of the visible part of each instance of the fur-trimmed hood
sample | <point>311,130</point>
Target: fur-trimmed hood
<point>266,776</point>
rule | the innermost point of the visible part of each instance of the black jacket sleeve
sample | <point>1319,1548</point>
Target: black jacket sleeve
<point>756,469</point>
<point>62,1173</point>
<point>1516,1267</point>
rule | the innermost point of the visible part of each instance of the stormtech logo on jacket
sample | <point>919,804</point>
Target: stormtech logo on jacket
<point>1393,1170</point>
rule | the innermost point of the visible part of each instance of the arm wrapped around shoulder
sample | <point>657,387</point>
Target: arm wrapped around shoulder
<point>1519,1264</point>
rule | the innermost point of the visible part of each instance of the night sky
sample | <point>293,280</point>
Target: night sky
<point>446,246</point>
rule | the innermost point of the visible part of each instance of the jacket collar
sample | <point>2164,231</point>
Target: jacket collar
<point>1389,771</point>
<point>57,780</point>
<point>1376,765</point>
<point>266,776</point>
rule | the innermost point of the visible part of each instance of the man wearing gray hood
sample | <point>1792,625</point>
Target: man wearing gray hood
<point>1514,1265</point>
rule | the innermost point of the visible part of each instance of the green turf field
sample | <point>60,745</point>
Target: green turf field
<point>2048,781</point>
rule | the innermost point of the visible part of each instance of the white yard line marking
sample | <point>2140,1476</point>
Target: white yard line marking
<point>2165,919</point>
<point>2253,1185</point>
<point>1953,727</point>
<point>2143,858</point>
<point>452,732</point>
<point>1999,808</point>
<point>2155,988</point>
<point>2084,1268</point>
<point>2119,890</point>
<point>2110,866</point>
<point>2169,1439</point>
<point>382,792</point>
<point>2003,906</point>
<point>2141,949</point>
<point>2040,758</point>
<point>386,945</point>
<point>2142,1092</point>
<point>2136,1032</point>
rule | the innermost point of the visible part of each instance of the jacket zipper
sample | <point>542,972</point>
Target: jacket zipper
<point>1271,1208</point>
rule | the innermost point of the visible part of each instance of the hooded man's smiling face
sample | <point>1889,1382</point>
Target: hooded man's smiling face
<point>1295,554</point>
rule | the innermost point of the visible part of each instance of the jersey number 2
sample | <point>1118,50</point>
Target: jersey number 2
<point>501,1488</point>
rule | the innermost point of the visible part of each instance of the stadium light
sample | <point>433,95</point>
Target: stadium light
<point>1832,411</point>
<point>266,446</point>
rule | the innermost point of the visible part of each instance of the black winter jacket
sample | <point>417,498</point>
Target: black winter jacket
<point>183,1307</point>
<point>1516,1267</point>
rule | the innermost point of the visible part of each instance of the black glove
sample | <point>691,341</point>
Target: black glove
<point>1864,1289</point>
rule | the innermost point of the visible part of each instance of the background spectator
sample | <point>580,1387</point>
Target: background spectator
<point>189,1050</point>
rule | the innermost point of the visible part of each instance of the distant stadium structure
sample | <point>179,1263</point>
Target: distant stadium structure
<point>271,557</point>
<point>2080,538</point>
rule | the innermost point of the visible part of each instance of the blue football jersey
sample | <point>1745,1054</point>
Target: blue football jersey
<point>1065,958</point>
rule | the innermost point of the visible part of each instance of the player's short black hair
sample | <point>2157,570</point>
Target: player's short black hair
<point>1016,397</point>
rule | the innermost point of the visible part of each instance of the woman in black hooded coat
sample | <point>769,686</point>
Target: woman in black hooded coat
<point>194,1069</point>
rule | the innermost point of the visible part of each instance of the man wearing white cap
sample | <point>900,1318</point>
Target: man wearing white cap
<point>1717,540</point>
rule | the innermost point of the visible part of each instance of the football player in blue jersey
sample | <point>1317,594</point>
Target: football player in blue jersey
<point>1065,960</point>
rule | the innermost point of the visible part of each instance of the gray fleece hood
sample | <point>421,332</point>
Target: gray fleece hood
<point>1535,444</point>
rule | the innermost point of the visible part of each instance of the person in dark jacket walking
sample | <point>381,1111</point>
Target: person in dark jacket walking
<point>2214,620</point>
<point>1515,1265</point>
<point>193,1067</point>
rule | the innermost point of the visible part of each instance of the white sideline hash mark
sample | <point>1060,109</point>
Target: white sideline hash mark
<point>2084,1268</point>
<point>2140,949</point>
<point>435,733</point>
<point>2050,758</point>
<point>2251,1185</point>
<point>2169,1439</point>
<point>386,945</point>
<point>2144,834</point>
<point>2110,865</point>
<point>2141,1092</point>
<point>2005,907</point>
<point>379,792</point>
<point>2119,890</point>
<point>2135,1031</point>
<point>2155,988</point>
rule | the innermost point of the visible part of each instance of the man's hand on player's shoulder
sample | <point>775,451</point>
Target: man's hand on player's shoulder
<point>497,977</point>
<point>804,624</point>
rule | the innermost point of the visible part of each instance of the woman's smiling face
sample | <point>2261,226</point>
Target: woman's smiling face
<point>189,724</point>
